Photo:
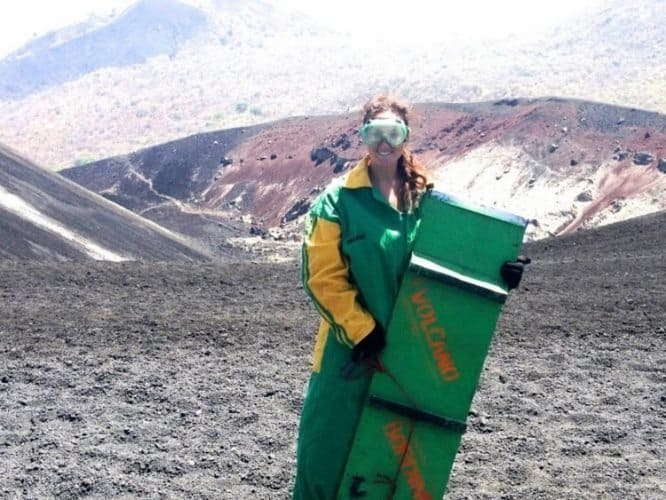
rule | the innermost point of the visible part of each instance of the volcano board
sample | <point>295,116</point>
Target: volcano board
<point>437,341</point>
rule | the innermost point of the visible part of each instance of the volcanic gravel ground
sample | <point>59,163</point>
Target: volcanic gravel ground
<point>185,381</point>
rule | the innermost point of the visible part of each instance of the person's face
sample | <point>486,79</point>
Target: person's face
<point>383,154</point>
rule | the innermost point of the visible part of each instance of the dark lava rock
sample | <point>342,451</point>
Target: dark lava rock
<point>643,158</point>
<point>273,156</point>
<point>258,231</point>
<point>573,162</point>
<point>584,196</point>
<point>339,164</point>
<point>507,102</point>
<point>299,208</point>
<point>616,206</point>
<point>661,166</point>
<point>320,155</point>
<point>226,161</point>
<point>342,142</point>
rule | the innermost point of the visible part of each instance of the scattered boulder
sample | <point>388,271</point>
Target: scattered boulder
<point>226,161</point>
<point>273,156</point>
<point>342,141</point>
<point>507,102</point>
<point>643,158</point>
<point>661,166</point>
<point>616,206</point>
<point>620,121</point>
<point>299,208</point>
<point>258,231</point>
<point>584,196</point>
<point>340,164</point>
<point>573,162</point>
<point>320,155</point>
<point>553,147</point>
<point>277,234</point>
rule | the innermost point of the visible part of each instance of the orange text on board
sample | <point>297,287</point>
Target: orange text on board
<point>409,468</point>
<point>435,336</point>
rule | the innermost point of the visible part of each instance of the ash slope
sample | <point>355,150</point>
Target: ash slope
<point>44,216</point>
<point>564,164</point>
<point>186,380</point>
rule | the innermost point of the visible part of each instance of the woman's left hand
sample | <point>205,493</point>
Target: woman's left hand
<point>512,271</point>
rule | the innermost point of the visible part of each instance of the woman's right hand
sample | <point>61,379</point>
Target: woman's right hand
<point>370,346</point>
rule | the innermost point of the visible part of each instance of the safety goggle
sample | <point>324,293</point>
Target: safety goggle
<point>392,131</point>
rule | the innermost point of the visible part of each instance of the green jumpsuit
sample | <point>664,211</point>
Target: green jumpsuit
<point>355,252</point>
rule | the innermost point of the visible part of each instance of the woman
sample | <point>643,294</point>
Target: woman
<point>358,241</point>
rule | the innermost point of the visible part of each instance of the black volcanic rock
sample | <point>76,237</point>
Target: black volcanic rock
<point>320,155</point>
<point>299,208</point>
<point>342,142</point>
<point>147,29</point>
<point>584,196</point>
<point>643,158</point>
<point>507,102</point>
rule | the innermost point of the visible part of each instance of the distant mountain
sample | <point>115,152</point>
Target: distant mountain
<point>564,164</point>
<point>148,28</point>
<point>252,62</point>
<point>45,216</point>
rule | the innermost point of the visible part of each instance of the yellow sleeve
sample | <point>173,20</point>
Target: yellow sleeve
<point>326,279</point>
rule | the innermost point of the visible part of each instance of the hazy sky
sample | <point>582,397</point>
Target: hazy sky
<point>23,19</point>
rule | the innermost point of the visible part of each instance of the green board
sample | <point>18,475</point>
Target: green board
<point>438,338</point>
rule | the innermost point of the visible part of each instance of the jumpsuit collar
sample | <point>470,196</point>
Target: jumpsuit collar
<point>359,176</point>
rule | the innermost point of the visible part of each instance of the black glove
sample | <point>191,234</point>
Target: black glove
<point>512,271</point>
<point>370,346</point>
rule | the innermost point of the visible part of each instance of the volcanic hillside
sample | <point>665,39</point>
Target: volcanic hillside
<point>166,69</point>
<point>563,164</point>
<point>186,380</point>
<point>45,216</point>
